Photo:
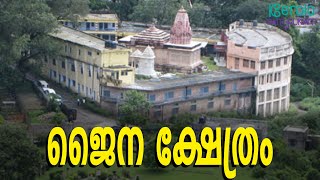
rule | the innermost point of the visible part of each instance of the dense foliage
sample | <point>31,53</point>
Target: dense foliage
<point>20,158</point>
<point>135,108</point>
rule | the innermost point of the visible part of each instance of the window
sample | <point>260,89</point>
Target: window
<point>74,83</point>
<point>261,96</point>
<point>65,48</point>
<point>204,90</point>
<point>63,64</point>
<point>54,61</point>
<point>152,97</point>
<point>261,79</point>
<point>87,26</point>
<point>113,24</point>
<point>245,63</point>
<point>169,95</point>
<point>284,91</point>
<point>70,50</point>
<point>89,70</point>
<point>227,102</point>
<point>260,109</point>
<point>105,26</point>
<point>175,110</point>
<point>235,86</point>
<point>73,68</point>
<point>124,73</point>
<point>54,74</point>
<point>276,107</point>
<point>121,95</point>
<point>269,78</point>
<point>189,92</point>
<point>276,93</point>
<point>269,95</point>
<point>278,62</point>
<point>79,52</point>
<point>81,69</point>
<point>64,78</point>
<point>285,61</point>
<point>100,26</point>
<point>236,63</point>
<point>210,105</point>
<point>193,107</point>
<point>92,24</point>
<point>106,93</point>
<point>252,64</point>
<point>222,86</point>
<point>270,64</point>
<point>89,53</point>
<point>262,65</point>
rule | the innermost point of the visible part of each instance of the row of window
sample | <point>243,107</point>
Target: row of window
<point>245,63</point>
<point>70,83</point>
<point>193,107</point>
<point>272,110</point>
<point>90,25</point>
<point>188,92</point>
<point>270,78</point>
<point>273,63</point>
<point>69,50</point>
<point>276,94</point>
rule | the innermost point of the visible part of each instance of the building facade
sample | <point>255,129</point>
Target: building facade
<point>265,51</point>
<point>101,25</point>
<point>209,92</point>
<point>87,63</point>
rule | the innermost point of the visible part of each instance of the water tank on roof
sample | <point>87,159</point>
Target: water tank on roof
<point>110,44</point>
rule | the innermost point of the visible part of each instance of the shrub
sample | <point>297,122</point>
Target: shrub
<point>1,119</point>
<point>103,176</point>
<point>310,103</point>
<point>93,107</point>
<point>82,173</point>
<point>126,173</point>
<point>58,118</point>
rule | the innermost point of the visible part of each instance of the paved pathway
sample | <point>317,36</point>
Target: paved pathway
<point>85,118</point>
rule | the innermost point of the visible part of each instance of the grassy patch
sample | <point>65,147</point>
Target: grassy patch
<point>33,116</point>
<point>95,108</point>
<point>208,61</point>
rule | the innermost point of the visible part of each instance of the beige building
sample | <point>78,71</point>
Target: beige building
<point>104,26</point>
<point>87,63</point>
<point>265,51</point>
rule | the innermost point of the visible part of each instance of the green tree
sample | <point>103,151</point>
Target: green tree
<point>252,10</point>
<point>149,157</point>
<point>24,25</point>
<point>135,108</point>
<point>69,9</point>
<point>20,158</point>
<point>163,11</point>
<point>123,8</point>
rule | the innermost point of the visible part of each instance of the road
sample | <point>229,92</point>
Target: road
<point>85,118</point>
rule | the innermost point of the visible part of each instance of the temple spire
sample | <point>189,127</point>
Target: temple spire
<point>181,32</point>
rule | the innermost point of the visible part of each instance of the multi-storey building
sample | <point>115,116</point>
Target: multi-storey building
<point>256,80</point>
<point>102,25</point>
<point>265,51</point>
<point>199,93</point>
<point>87,63</point>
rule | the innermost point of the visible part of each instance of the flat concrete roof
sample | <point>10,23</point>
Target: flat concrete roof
<point>257,37</point>
<point>103,17</point>
<point>186,80</point>
<point>301,129</point>
<point>80,38</point>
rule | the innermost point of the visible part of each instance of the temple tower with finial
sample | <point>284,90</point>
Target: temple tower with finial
<point>174,52</point>
<point>181,32</point>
